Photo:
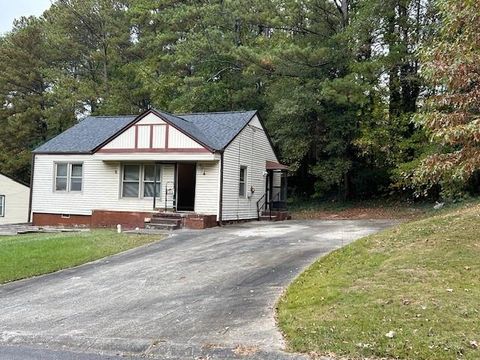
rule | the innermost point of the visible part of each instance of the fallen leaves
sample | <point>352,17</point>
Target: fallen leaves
<point>391,334</point>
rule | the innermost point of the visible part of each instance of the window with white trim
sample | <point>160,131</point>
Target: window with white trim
<point>242,187</point>
<point>149,179</point>
<point>68,177</point>
<point>131,181</point>
<point>141,181</point>
<point>2,205</point>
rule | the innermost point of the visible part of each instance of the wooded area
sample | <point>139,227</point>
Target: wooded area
<point>361,97</point>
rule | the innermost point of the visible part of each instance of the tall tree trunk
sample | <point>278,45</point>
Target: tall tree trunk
<point>395,97</point>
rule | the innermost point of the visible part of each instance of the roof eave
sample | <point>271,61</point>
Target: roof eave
<point>62,152</point>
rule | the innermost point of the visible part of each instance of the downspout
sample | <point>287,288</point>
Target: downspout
<point>220,200</point>
<point>31,190</point>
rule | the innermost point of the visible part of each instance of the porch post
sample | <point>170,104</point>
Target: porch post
<point>174,197</point>
<point>270,188</point>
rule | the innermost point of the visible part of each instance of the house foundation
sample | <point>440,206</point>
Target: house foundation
<point>128,219</point>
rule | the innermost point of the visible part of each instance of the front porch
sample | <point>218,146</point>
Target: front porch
<point>273,204</point>
<point>169,190</point>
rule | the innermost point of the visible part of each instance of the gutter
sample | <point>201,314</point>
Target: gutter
<point>220,200</point>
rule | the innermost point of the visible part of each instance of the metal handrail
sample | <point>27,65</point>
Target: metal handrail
<point>270,203</point>
<point>264,205</point>
<point>261,207</point>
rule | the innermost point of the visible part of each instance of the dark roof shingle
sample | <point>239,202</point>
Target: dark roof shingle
<point>87,135</point>
<point>213,130</point>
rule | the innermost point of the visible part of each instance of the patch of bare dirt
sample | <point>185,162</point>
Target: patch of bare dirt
<point>359,213</point>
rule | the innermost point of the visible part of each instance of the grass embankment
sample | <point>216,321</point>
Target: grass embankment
<point>412,292</point>
<point>24,256</point>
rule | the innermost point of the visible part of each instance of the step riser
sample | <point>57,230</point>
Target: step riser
<point>268,218</point>
<point>161,226</point>
<point>167,215</point>
<point>275,215</point>
<point>165,221</point>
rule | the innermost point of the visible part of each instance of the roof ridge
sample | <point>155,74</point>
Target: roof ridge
<point>216,112</point>
<point>110,116</point>
<point>169,113</point>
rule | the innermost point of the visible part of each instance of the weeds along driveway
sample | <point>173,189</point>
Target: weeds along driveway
<point>199,293</point>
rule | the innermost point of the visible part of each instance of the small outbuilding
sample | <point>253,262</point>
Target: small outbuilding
<point>158,168</point>
<point>14,201</point>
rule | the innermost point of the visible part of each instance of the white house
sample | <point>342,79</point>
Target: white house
<point>14,200</point>
<point>195,169</point>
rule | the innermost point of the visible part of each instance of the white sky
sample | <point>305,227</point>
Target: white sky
<point>12,9</point>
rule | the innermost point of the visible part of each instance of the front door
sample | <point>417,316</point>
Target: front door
<point>186,176</point>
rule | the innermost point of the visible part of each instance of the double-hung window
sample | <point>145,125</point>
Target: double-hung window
<point>68,177</point>
<point>242,188</point>
<point>131,181</point>
<point>2,205</point>
<point>138,181</point>
<point>150,180</point>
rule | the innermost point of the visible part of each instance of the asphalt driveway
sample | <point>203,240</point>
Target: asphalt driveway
<point>197,295</point>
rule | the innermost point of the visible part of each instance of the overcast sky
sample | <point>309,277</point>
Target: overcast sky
<point>12,9</point>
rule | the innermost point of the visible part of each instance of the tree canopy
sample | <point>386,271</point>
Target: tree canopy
<point>338,82</point>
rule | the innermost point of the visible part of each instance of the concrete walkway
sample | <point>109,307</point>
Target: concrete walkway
<point>198,295</point>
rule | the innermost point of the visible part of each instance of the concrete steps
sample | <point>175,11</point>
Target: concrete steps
<point>268,218</point>
<point>275,216</point>
<point>165,221</point>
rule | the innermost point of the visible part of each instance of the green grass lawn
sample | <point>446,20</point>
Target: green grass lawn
<point>418,282</point>
<point>24,256</point>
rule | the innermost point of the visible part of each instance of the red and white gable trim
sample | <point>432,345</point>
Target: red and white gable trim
<point>151,133</point>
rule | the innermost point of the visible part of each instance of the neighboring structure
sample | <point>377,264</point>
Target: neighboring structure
<point>14,200</point>
<point>205,168</point>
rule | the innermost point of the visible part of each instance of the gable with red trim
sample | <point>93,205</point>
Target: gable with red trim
<point>151,133</point>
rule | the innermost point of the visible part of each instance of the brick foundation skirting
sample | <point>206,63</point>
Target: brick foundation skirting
<point>40,219</point>
<point>98,219</point>
<point>110,219</point>
<point>105,218</point>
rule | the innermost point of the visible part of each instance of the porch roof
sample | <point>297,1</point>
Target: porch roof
<point>272,165</point>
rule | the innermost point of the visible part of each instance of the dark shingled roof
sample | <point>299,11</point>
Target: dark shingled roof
<point>87,135</point>
<point>213,130</point>
<point>220,128</point>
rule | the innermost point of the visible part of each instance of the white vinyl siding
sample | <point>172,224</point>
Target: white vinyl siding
<point>207,188</point>
<point>250,148</point>
<point>101,187</point>
<point>151,119</point>
<point>15,199</point>
<point>126,140</point>
<point>159,136</point>
<point>143,137</point>
<point>178,140</point>
<point>151,132</point>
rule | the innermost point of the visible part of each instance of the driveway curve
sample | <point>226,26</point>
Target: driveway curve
<point>197,295</point>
